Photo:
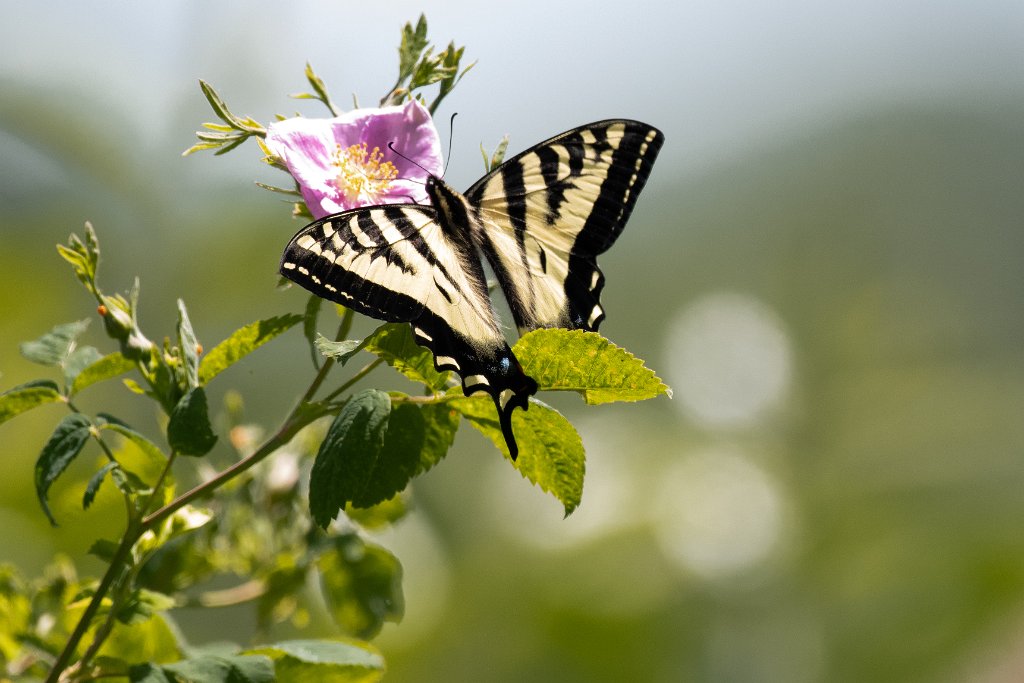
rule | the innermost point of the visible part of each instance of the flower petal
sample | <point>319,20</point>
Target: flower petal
<point>309,147</point>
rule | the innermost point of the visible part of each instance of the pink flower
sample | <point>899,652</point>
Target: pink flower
<point>344,162</point>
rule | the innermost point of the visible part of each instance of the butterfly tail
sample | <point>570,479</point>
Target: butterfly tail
<point>507,401</point>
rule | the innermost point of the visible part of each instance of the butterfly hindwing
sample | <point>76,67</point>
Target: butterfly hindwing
<point>550,210</point>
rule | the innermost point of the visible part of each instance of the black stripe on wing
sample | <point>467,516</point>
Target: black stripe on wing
<point>632,160</point>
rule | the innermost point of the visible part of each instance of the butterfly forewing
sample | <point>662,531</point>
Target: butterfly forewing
<point>549,211</point>
<point>395,263</point>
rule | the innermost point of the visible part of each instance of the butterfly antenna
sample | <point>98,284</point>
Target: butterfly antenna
<point>391,146</point>
<point>451,137</point>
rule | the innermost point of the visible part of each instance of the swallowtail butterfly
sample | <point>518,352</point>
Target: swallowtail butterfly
<point>540,218</point>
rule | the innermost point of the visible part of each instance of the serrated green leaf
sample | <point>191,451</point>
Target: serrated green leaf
<point>28,396</point>
<point>107,367</point>
<point>394,343</point>
<point>242,342</point>
<point>348,454</point>
<point>324,661</point>
<point>189,346</point>
<point>414,439</point>
<point>398,459</point>
<point>362,585</point>
<point>54,346</point>
<point>189,431</point>
<point>550,451</point>
<point>64,445</point>
<point>586,362</point>
<point>93,487</point>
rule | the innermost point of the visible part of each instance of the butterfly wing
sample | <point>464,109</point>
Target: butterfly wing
<point>549,211</point>
<point>395,263</point>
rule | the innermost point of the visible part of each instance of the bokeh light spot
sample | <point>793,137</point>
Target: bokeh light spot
<point>720,513</point>
<point>729,360</point>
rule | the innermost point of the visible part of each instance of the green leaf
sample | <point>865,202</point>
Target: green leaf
<point>398,459</point>
<point>246,125</point>
<point>93,487</point>
<point>395,344</point>
<point>242,342</point>
<point>26,397</point>
<point>550,451</point>
<point>107,367</point>
<point>348,454</point>
<point>221,669</point>
<point>413,42</point>
<point>494,160</point>
<point>324,661</point>
<point>78,360</point>
<point>450,59</point>
<point>189,346</point>
<point>64,445</point>
<point>151,640</point>
<point>586,362</point>
<point>189,431</point>
<point>320,89</point>
<point>83,257</point>
<point>153,452</point>
<point>148,673</point>
<point>441,422</point>
<point>380,515</point>
<point>104,549</point>
<point>54,346</point>
<point>341,351</point>
<point>362,585</point>
<point>374,448</point>
<point>141,604</point>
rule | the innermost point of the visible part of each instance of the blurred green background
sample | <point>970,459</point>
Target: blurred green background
<point>826,267</point>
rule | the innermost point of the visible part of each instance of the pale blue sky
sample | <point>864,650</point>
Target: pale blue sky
<point>717,76</point>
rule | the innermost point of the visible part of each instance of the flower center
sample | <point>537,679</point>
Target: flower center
<point>361,175</point>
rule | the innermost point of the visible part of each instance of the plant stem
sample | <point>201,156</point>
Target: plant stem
<point>114,571</point>
<point>366,369</point>
<point>117,569</point>
<point>281,437</point>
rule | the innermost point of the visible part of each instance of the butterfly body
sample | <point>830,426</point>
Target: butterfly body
<point>540,219</point>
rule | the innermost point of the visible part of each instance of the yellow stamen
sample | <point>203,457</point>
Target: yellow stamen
<point>361,176</point>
